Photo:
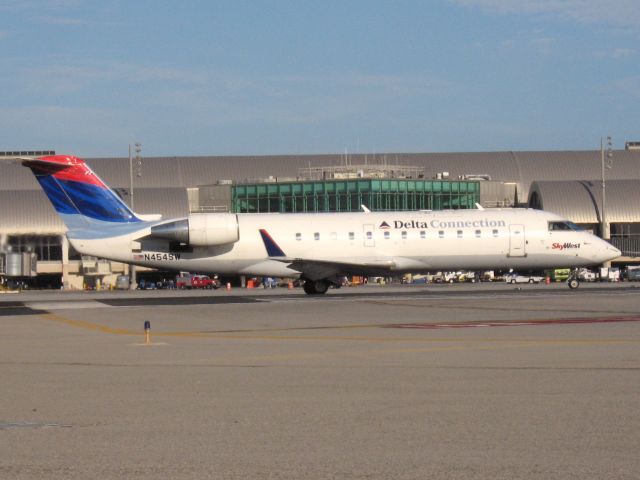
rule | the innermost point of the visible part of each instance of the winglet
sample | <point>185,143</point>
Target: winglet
<point>273,250</point>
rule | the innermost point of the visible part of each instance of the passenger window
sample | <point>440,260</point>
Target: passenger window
<point>459,233</point>
<point>298,236</point>
<point>351,236</point>
<point>404,235</point>
<point>478,233</point>
<point>387,235</point>
<point>316,236</point>
<point>441,233</point>
<point>369,235</point>
<point>423,234</point>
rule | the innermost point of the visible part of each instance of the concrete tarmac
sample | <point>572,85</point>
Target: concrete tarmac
<point>376,382</point>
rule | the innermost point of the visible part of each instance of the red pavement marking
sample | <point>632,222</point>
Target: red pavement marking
<point>518,323</point>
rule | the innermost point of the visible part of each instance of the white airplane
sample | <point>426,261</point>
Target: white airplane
<point>319,248</point>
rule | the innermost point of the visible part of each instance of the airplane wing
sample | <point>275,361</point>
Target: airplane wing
<point>316,269</point>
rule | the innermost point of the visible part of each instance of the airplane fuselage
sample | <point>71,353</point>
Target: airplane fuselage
<point>396,242</point>
<point>318,247</point>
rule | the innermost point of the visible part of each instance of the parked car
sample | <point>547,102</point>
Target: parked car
<point>518,278</point>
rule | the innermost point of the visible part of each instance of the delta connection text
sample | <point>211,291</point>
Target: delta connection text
<point>435,223</point>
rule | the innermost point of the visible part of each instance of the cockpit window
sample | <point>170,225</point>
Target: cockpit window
<point>565,226</point>
<point>574,227</point>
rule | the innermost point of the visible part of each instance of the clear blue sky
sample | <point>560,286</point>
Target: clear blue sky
<point>293,77</point>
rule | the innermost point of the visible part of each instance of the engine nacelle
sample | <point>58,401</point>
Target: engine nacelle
<point>200,230</point>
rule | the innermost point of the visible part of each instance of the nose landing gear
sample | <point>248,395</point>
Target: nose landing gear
<point>573,281</point>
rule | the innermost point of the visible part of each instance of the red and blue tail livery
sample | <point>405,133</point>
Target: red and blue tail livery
<point>77,193</point>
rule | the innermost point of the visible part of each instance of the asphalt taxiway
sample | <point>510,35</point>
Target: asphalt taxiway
<point>398,382</point>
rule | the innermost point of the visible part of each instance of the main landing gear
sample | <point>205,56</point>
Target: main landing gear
<point>316,287</point>
<point>573,281</point>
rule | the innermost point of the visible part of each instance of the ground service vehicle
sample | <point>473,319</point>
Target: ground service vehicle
<point>518,278</point>
<point>122,282</point>
<point>558,274</point>
<point>197,281</point>
<point>633,273</point>
<point>586,275</point>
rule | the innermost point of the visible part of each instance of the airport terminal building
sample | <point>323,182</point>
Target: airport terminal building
<point>565,182</point>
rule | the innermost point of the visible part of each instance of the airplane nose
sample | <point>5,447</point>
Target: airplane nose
<point>608,251</point>
<point>613,252</point>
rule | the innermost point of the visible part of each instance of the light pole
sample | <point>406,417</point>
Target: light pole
<point>605,231</point>
<point>137,147</point>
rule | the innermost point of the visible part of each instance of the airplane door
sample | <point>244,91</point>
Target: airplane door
<point>517,241</point>
<point>367,230</point>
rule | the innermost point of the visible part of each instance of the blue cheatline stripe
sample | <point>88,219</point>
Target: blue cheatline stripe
<point>273,250</point>
<point>92,201</point>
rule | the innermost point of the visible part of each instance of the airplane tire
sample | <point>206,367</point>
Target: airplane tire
<point>321,286</point>
<point>316,287</point>
<point>308,287</point>
<point>573,283</point>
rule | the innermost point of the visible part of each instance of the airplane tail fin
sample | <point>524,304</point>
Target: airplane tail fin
<point>79,196</point>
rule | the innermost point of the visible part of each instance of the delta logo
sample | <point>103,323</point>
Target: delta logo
<point>564,246</point>
<point>397,224</point>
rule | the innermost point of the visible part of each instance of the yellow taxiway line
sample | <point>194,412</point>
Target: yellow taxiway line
<point>273,335</point>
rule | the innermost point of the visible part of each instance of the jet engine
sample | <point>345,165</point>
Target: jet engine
<point>200,230</point>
